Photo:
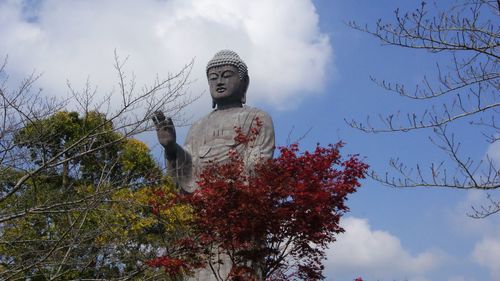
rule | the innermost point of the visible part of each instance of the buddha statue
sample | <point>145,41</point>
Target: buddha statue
<point>210,138</point>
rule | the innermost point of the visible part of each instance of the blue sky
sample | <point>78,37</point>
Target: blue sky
<point>310,72</point>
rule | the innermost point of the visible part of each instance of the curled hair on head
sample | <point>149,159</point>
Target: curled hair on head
<point>228,57</point>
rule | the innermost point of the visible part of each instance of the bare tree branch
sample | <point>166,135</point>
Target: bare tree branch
<point>467,88</point>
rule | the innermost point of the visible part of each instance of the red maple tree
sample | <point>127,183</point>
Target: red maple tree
<point>275,220</point>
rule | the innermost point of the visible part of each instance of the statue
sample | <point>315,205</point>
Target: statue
<point>210,138</point>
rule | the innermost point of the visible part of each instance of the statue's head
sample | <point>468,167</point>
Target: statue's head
<point>227,78</point>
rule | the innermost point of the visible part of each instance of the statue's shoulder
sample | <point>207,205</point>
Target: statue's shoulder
<point>260,114</point>
<point>239,116</point>
<point>201,121</point>
<point>256,111</point>
<point>196,128</point>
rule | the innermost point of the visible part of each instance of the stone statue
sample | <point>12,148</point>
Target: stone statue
<point>211,138</point>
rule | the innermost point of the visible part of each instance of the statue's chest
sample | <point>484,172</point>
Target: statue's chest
<point>220,128</point>
<point>219,133</point>
<point>218,137</point>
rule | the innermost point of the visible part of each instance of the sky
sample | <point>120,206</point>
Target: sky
<point>310,72</point>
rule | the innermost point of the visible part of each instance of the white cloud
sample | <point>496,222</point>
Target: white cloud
<point>487,253</point>
<point>493,153</point>
<point>376,255</point>
<point>481,234</point>
<point>474,228</point>
<point>280,40</point>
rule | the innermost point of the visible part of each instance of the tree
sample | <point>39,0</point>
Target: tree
<point>466,89</point>
<point>72,183</point>
<point>273,220</point>
<point>92,212</point>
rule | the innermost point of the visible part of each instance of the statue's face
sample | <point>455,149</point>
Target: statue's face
<point>225,84</point>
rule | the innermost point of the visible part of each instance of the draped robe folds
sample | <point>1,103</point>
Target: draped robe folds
<point>211,138</point>
<point>209,141</point>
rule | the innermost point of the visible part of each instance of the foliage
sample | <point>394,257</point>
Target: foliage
<point>90,216</point>
<point>463,92</point>
<point>274,220</point>
<point>73,182</point>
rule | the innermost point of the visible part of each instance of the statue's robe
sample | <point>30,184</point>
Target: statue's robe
<point>209,141</point>
<point>211,138</point>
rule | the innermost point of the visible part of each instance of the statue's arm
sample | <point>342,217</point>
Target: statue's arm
<point>177,159</point>
<point>181,161</point>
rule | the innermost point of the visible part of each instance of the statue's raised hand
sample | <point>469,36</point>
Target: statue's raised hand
<point>165,131</point>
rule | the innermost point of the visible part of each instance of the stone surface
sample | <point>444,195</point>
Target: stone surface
<point>210,138</point>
